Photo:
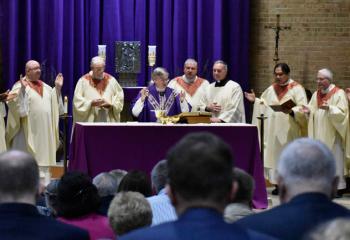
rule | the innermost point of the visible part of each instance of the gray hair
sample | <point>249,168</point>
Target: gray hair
<point>129,211</point>
<point>326,73</point>
<point>19,176</point>
<point>160,72</point>
<point>159,175</point>
<point>191,61</point>
<point>307,162</point>
<point>97,60</point>
<point>105,184</point>
<point>221,62</point>
<point>337,229</point>
<point>118,175</point>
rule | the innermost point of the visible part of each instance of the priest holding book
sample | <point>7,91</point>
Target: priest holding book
<point>280,103</point>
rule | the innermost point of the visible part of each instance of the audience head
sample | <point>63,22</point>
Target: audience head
<point>106,184</point>
<point>281,72</point>
<point>97,67</point>
<point>19,177</point>
<point>51,195</point>
<point>33,70</point>
<point>200,172</point>
<point>219,70</point>
<point>136,181</point>
<point>246,185</point>
<point>129,211</point>
<point>324,78</point>
<point>306,165</point>
<point>337,229</point>
<point>118,175</point>
<point>190,69</point>
<point>160,78</point>
<point>159,175</point>
<point>76,195</point>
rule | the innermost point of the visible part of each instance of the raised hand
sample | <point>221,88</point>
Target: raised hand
<point>182,96</point>
<point>23,82</point>
<point>59,82</point>
<point>3,96</point>
<point>250,96</point>
<point>144,93</point>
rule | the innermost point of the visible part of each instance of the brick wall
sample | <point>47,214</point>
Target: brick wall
<point>319,37</point>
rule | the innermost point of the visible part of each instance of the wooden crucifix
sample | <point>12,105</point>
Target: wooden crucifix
<point>277,28</point>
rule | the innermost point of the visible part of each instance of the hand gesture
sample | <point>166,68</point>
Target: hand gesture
<point>96,102</point>
<point>250,96</point>
<point>304,109</point>
<point>105,104</point>
<point>23,82</point>
<point>215,120</point>
<point>325,105</point>
<point>3,96</point>
<point>214,107</point>
<point>144,93</point>
<point>182,96</point>
<point>347,91</point>
<point>59,82</point>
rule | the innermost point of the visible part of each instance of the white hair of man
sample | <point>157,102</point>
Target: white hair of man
<point>191,61</point>
<point>160,72</point>
<point>307,165</point>
<point>159,175</point>
<point>129,211</point>
<point>106,184</point>
<point>97,61</point>
<point>221,62</point>
<point>326,73</point>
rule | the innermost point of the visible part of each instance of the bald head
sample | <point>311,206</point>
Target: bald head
<point>33,70</point>
<point>19,177</point>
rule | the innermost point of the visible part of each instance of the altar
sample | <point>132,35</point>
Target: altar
<point>100,147</point>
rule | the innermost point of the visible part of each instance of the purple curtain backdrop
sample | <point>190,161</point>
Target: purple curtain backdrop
<point>63,35</point>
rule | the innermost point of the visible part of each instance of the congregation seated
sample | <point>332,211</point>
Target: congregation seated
<point>162,209</point>
<point>129,211</point>
<point>118,175</point>
<point>241,205</point>
<point>19,218</point>
<point>107,187</point>
<point>200,186</point>
<point>136,181</point>
<point>78,202</point>
<point>307,181</point>
<point>50,197</point>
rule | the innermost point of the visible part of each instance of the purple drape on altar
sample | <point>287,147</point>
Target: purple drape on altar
<point>141,146</point>
<point>63,35</point>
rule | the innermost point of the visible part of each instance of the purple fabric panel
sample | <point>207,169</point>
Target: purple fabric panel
<point>119,148</point>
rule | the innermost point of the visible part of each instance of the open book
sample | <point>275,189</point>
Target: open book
<point>288,105</point>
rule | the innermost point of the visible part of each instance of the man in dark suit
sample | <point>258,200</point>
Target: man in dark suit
<point>19,218</point>
<point>307,182</point>
<point>200,186</point>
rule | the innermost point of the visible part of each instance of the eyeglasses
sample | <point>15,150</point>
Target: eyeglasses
<point>279,74</point>
<point>319,79</point>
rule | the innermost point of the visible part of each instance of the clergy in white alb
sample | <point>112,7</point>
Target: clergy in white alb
<point>223,98</point>
<point>193,86</point>
<point>280,127</point>
<point>32,123</point>
<point>97,97</point>
<point>328,112</point>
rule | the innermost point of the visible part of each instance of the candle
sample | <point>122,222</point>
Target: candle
<point>65,105</point>
<point>102,51</point>
<point>151,55</point>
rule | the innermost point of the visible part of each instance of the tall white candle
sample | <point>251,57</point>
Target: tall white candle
<point>65,105</point>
